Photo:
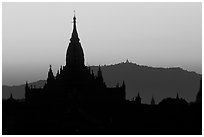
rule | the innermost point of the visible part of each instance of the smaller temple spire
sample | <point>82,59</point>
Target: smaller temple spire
<point>11,99</point>
<point>50,75</point>
<point>138,98</point>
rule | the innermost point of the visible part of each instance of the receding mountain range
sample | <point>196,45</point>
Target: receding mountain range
<point>148,81</point>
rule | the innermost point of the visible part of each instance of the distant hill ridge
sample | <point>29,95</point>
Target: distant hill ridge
<point>148,81</point>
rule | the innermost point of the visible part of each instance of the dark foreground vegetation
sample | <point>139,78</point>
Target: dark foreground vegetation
<point>101,118</point>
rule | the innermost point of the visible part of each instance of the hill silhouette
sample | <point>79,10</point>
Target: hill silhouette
<point>151,81</point>
<point>148,81</point>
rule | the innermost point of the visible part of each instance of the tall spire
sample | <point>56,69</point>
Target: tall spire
<point>74,32</point>
<point>75,54</point>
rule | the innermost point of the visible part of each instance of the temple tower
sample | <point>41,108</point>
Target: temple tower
<point>75,54</point>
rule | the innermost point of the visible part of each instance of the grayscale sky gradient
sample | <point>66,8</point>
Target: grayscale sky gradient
<point>36,35</point>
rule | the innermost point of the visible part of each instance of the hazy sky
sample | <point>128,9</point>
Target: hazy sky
<point>36,35</point>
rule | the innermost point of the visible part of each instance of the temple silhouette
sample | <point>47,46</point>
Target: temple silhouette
<point>74,82</point>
